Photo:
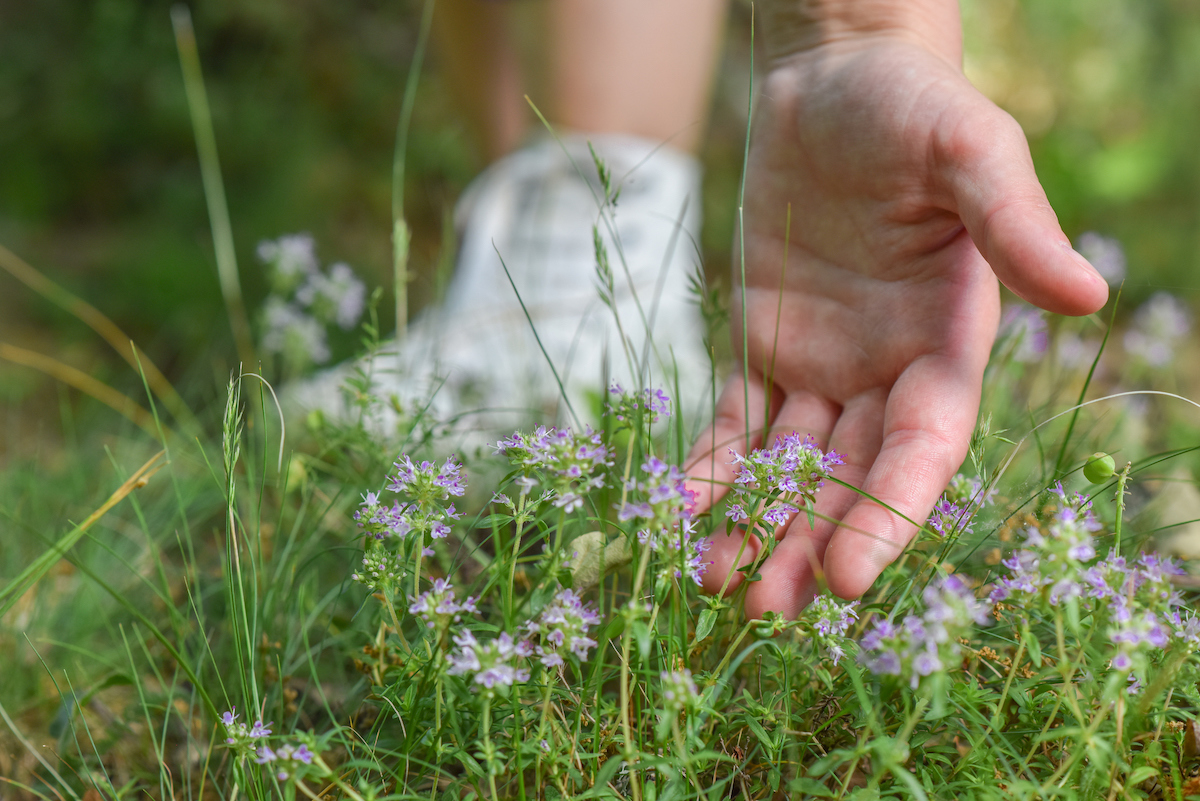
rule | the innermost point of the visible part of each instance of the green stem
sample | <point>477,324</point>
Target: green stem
<point>1121,481</point>
<point>488,751</point>
<point>401,234</point>
<point>214,187</point>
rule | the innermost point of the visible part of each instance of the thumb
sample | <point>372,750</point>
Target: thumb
<point>984,160</point>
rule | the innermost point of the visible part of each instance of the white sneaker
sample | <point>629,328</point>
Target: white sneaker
<point>476,356</point>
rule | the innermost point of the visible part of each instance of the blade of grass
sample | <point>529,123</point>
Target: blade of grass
<point>401,234</point>
<point>73,377</point>
<point>40,566</point>
<point>214,186</point>
<point>1062,453</point>
<point>92,317</point>
<point>28,746</point>
<point>562,390</point>
<point>741,234</point>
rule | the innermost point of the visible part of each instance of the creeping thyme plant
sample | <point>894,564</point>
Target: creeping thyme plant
<point>394,614</point>
<point>394,617</point>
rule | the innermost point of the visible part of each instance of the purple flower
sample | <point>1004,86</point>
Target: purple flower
<point>787,475</point>
<point>291,258</point>
<point>426,482</point>
<point>1055,560</point>
<point>569,465</point>
<point>924,644</point>
<point>238,734</point>
<point>1024,330</point>
<point>562,626</point>
<point>626,406</point>
<point>288,761</point>
<point>1158,326</point>
<point>948,517</point>
<point>491,663</point>
<point>680,553</point>
<point>338,297</point>
<point>1105,254</point>
<point>292,333</point>
<point>439,607</point>
<point>829,621</point>
<point>1186,629</point>
<point>679,691</point>
<point>665,501</point>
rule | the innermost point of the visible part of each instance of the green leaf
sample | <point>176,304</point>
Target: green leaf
<point>1031,642</point>
<point>641,633</point>
<point>704,626</point>
<point>808,788</point>
<point>1140,775</point>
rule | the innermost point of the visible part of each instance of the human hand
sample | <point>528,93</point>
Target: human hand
<point>910,193</point>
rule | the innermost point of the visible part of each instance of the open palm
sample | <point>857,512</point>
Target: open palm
<point>909,194</point>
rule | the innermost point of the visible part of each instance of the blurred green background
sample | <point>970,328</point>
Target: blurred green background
<point>100,185</point>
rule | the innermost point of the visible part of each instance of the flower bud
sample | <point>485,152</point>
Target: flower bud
<point>1099,468</point>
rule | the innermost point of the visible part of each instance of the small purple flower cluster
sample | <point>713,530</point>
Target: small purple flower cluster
<point>439,606</point>
<point>1159,325</point>
<point>664,499</point>
<point>928,643</point>
<point>493,662</point>
<point>1135,603</point>
<point>287,760</point>
<point>291,333</point>
<point>1052,562</point>
<point>569,465</point>
<point>666,504</point>
<point>680,552</point>
<point>305,300</point>
<point>382,521</point>
<point>957,508</point>
<point>338,297</point>
<point>627,405</point>
<point>426,486</point>
<point>827,622</point>
<point>950,516</point>
<point>679,691</point>
<point>1186,628</point>
<point>789,474</point>
<point>563,627</point>
<point>1024,330</point>
<point>239,734</point>
<point>560,631</point>
<point>421,513</point>
<point>426,483</point>
<point>292,258</point>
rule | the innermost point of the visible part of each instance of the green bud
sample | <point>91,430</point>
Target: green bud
<point>1099,468</point>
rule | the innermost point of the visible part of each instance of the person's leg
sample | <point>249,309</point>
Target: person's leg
<point>481,65</point>
<point>640,67</point>
<point>619,79</point>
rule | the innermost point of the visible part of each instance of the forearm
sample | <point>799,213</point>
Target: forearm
<point>795,26</point>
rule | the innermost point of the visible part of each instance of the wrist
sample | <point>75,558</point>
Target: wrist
<point>796,26</point>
